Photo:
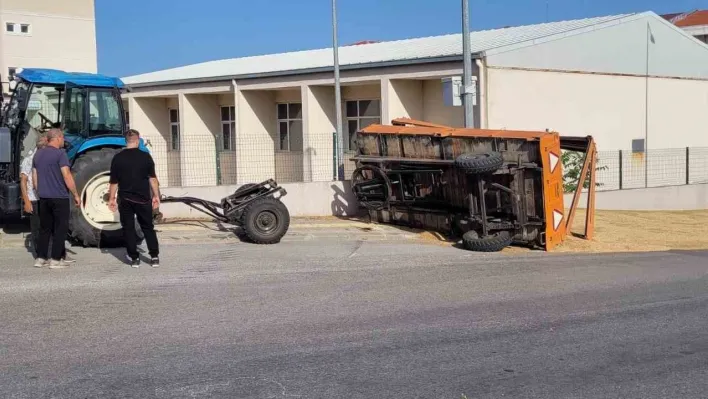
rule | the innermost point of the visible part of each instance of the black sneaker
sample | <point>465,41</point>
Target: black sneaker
<point>134,263</point>
<point>155,261</point>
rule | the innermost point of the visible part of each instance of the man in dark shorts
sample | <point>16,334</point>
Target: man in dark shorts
<point>133,180</point>
<point>54,183</point>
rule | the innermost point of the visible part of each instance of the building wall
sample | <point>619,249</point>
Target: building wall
<point>150,117</point>
<point>610,108</point>
<point>319,123</point>
<point>404,99</point>
<point>361,92</point>
<point>202,124</point>
<point>62,35</point>
<point>255,138</point>
<point>639,45</point>
<point>434,108</point>
<point>227,159</point>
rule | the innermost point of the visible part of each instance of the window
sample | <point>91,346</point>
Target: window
<point>74,112</point>
<point>290,127</point>
<point>43,107</point>
<point>18,29</point>
<point>360,114</point>
<point>174,130</point>
<point>104,114</point>
<point>228,128</point>
<point>11,71</point>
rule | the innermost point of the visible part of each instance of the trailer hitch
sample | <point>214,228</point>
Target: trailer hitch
<point>257,208</point>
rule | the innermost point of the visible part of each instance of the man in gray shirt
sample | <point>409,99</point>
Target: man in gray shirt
<point>54,184</point>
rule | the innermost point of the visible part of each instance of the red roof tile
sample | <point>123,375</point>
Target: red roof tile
<point>692,18</point>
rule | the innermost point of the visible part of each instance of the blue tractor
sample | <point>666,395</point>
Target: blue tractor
<point>89,109</point>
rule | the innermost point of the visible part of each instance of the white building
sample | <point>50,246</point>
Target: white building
<point>58,34</point>
<point>693,22</point>
<point>629,80</point>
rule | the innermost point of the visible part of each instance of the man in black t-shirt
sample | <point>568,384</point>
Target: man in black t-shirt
<point>133,180</point>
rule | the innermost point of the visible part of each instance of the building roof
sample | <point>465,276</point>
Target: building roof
<point>686,19</point>
<point>56,77</point>
<point>368,55</point>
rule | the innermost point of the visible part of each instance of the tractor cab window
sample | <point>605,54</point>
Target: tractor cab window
<point>74,112</point>
<point>105,116</point>
<point>92,112</point>
<point>43,107</point>
<point>14,109</point>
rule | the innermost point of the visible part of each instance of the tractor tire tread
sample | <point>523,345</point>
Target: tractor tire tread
<point>80,230</point>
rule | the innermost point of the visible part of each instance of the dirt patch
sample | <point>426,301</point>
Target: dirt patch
<point>620,231</point>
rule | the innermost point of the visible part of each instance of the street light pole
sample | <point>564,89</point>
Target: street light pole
<point>337,95</point>
<point>468,89</point>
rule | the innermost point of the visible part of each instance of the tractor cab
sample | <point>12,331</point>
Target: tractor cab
<point>89,110</point>
<point>83,105</point>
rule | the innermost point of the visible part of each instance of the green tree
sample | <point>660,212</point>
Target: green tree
<point>572,166</point>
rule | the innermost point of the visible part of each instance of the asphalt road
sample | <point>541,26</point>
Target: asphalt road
<point>355,320</point>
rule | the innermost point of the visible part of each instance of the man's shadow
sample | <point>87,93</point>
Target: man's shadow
<point>122,255</point>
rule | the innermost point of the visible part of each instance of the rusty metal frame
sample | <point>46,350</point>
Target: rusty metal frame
<point>551,144</point>
<point>415,127</point>
<point>589,166</point>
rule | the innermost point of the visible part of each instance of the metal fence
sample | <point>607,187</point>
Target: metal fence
<point>619,170</point>
<point>206,161</point>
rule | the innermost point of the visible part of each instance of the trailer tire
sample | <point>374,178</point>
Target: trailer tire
<point>86,168</point>
<point>240,190</point>
<point>265,221</point>
<point>491,243</point>
<point>480,163</point>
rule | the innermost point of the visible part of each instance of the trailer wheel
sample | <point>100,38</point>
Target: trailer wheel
<point>94,224</point>
<point>480,163</point>
<point>266,221</point>
<point>491,243</point>
<point>240,190</point>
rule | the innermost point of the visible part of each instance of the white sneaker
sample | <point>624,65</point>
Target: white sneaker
<point>39,262</point>
<point>69,260</point>
<point>58,264</point>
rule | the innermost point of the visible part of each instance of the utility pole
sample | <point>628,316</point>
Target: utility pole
<point>339,153</point>
<point>468,90</point>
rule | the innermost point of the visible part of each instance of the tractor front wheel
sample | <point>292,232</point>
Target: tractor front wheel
<point>93,224</point>
<point>265,221</point>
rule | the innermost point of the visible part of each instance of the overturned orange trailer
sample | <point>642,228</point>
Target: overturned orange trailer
<point>492,187</point>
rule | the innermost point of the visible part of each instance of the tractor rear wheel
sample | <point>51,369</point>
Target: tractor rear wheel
<point>266,221</point>
<point>93,224</point>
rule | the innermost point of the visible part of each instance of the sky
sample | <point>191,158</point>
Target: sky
<point>138,36</point>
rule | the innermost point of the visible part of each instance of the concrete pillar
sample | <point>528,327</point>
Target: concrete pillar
<point>318,107</point>
<point>255,135</point>
<point>386,90</point>
<point>149,116</point>
<point>199,122</point>
<point>403,99</point>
